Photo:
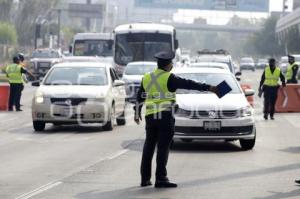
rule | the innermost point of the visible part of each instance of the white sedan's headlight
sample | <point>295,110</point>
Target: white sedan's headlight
<point>39,98</point>
<point>246,111</point>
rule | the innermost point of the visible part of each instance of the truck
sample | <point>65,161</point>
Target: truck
<point>140,42</point>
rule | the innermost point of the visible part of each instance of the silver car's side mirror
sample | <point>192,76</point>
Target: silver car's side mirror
<point>118,83</point>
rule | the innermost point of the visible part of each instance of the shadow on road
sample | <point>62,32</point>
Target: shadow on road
<point>193,147</point>
<point>295,193</point>
<point>291,150</point>
<point>126,193</point>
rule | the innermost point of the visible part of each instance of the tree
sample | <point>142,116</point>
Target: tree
<point>8,34</point>
<point>5,10</point>
<point>29,11</point>
<point>265,42</point>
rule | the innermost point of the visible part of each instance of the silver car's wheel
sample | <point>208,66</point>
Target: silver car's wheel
<point>39,126</point>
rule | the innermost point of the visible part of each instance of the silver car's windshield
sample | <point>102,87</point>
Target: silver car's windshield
<point>209,78</point>
<point>45,54</point>
<point>135,69</point>
<point>77,76</point>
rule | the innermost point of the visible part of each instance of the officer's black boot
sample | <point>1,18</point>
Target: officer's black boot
<point>266,116</point>
<point>297,182</point>
<point>146,183</point>
<point>164,183</point>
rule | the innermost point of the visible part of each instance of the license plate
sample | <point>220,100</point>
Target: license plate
<point>67,112</point>
<point>212,125</point>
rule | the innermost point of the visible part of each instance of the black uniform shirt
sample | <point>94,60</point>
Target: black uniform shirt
<point>294,75</point>
<point>174,83</point>
<point>263,77</point>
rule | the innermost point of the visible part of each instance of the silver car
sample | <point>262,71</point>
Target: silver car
<point>133,75</point>
<point>79,93</point>
<point>42,60</point>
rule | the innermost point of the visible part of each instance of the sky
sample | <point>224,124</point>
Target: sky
<point>222,17</point>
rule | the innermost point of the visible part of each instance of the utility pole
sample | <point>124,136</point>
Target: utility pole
<point>58,24</point>
<point>88,20</point>
<point>284,7</point>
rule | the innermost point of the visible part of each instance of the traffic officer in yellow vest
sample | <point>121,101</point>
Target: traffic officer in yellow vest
<point>14,74</point>
<point>269,86</point>
<point>157,91</point>
<point>292,70</point>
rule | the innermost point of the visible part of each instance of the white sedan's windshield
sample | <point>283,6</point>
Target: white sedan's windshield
<point>77,76</point>
<point>138,69</point>
<point>209,78</point>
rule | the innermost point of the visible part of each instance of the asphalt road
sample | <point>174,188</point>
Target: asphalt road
<point>83,163</point>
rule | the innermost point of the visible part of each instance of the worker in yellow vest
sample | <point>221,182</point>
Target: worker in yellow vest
<point>158,92</point>
<point>292,71</point>
<point>269,85</point>
<point>14,74</point>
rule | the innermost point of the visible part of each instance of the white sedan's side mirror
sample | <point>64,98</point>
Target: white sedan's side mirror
<point>249,92</point>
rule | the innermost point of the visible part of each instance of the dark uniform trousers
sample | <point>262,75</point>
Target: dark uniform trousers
<point>270,97</point>
<point>15,95</point>
<point>160,132</point>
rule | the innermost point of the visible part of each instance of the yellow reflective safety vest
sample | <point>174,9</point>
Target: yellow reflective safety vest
<point>289,72</point>
<point>271,79</point>
<point>14,74</point>
<point>158,97</point>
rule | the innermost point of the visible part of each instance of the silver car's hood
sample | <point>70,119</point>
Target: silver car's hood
<point>211,101</point>
<point>133,78</point>
<point>73,91</point>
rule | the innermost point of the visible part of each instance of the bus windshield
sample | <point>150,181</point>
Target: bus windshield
<point>132,47</point>
<point>100,48</point>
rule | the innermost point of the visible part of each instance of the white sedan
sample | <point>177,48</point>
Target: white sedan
<point>202,115</point>
<point>79,93</point>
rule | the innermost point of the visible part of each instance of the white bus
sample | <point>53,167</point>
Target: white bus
<point>140,41</point>
<point>92,44</point>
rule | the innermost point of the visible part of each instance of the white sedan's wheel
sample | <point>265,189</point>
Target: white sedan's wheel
<point>110,121</point>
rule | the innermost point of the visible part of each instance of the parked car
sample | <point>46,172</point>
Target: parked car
<point>202,115</point>
<point>79,93</point>
<point>283,64</point>
<point>247,63</point>
<point>132,76</point>
<point>262,63</point>
<point>210,65</point>
<point>218,56</point>
<point>42,60</point>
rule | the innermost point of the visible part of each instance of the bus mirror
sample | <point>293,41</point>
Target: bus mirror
<point>176,44</point>
<point>70,49</point>
<point>110,44</point>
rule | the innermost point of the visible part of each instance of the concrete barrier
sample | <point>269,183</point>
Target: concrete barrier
<point>288,99</point>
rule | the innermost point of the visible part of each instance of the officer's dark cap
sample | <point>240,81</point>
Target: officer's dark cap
<point>165,56</point>
<point>16,59</point>
<point>21,56</point>
<point>291,57</point>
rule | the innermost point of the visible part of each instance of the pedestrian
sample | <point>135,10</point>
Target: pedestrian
<point>269,86</point>
<point>157,91</point>
<point>14,74</point>
<point>292,71</point>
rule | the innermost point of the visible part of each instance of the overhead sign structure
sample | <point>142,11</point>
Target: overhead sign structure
<point>86,10</point>
<point>229,5</point>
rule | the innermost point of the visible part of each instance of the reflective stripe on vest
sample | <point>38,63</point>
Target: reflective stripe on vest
<point>14,74</point>
<point>271,79</point>
<point>158,97</point>
<point>289,72</point>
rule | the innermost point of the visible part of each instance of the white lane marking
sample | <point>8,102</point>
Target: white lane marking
<point>39,190</point>
<point>117,154</point>
<point>54,184</point>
